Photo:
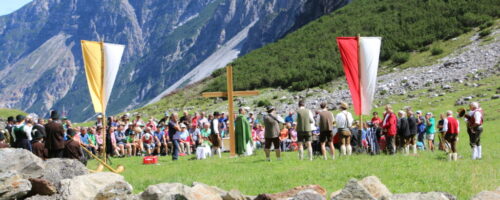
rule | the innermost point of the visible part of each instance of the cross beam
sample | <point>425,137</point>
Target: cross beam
<point>230,94</point>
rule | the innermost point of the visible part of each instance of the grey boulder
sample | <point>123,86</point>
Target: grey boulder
<point>23,161</point>
<point>13,186</point>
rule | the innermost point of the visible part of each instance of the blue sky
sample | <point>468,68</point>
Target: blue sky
<point>9,6</point>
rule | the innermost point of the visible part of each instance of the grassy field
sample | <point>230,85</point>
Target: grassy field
<point>429,171</point>
<point>6,112</point>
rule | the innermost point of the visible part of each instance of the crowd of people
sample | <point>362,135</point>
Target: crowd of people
<point>319,132</point>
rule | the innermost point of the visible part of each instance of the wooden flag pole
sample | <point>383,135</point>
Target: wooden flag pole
<point>359,74</point>
<point>230,124</point>
<point>102,103</point>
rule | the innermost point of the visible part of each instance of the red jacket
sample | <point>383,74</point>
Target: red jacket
<point>391,124</point>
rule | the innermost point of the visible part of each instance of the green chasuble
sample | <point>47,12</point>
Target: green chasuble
<point>243,134</point>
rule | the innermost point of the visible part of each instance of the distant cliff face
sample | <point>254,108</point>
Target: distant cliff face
<point>40,55</point>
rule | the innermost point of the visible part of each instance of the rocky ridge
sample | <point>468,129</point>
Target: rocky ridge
<point>28,177</point>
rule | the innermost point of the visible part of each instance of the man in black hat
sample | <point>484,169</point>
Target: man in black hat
<point>3,144</point>
<point>38,146</point>
<point>55,136</point>
<point>272,132</point>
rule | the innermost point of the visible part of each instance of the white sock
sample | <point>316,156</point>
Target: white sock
<point>342,150</point>
<point>219,153</point>
<point>450,156</point>
<point>349,150</point>
<point>414,147</point>
<point>455,156</point>
<point>474,152</point>
<point>310,153</point>
<point>301,154</point>
<point>325,157</point>
<point>479,153</point>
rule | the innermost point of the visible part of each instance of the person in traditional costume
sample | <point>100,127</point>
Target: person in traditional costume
<point>326,130</point>
<point>411,141</point>
<point>304,130</point>
<point>344,121</point>
<point>72,148</point>
<point>38,146</point>
<point>243,135</point>
<point>215,137</point>
<point>452,127</point>
<point>271,133</point>
<point>22,133</point>
<point>55,136</point>
<point>404,131</point>
<point>474,128</point>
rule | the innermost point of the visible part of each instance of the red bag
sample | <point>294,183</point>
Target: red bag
<point>150,160</point>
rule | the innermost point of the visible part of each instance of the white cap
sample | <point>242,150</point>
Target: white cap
<point>183,125</point>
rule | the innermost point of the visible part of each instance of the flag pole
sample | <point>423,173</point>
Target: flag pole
<point>359,74</point>
<point>102,103</point>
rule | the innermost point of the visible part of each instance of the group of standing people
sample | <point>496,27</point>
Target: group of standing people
<point>404,131</point>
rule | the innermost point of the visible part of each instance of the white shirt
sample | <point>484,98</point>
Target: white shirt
<point>477,116</point>
<point>342,121</point>
<point>216,125</point>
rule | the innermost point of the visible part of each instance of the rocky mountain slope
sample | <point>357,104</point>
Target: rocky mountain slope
<point>471,58</point>
<point>41,66</point>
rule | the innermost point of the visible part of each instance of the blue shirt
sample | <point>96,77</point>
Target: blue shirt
<point>289,119</point>
<point>85,139</point>
<point>159,135</point>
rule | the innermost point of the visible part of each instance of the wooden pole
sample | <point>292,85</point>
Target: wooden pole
<point>359,74</point>
<point>230,124</point>
<point>103,103</point>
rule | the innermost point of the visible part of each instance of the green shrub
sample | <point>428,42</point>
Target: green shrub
<point>484,33</point>
<point>263,103</point>
<point>436,51</point>
<point>309,56</point>
<point>400,58</point>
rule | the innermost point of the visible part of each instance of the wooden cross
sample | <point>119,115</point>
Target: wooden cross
<point>230,94</point>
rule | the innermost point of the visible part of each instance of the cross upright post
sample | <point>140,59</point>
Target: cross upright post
<point>230,97</point>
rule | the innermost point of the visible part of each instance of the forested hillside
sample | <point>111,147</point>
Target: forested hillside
<point>309,57</point>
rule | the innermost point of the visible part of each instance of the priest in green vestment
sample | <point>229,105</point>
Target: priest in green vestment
<point>243,134</point>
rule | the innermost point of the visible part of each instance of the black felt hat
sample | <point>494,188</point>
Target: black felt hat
<point>54,115</point>
<point>20,118</point>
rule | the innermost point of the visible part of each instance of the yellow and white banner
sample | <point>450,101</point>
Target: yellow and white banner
<point>102,61</point>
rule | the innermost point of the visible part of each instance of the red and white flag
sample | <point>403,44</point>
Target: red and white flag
<point>360,56</point>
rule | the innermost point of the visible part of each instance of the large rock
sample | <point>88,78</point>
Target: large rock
<point>41,187</point>
<point>353,190</point>
<point>88,186</point>
<point>167,191</point>
<point>13,186</point>
<point>23,161</point>
<point>235,195</point>
<point>119,190</point>
<point>488,195</point>
<point>308,195</point>
<point>375,187</point>
<point>292,192</point>
<point>202,191</point>
<point>422,196</point>
<point>57,169</point>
